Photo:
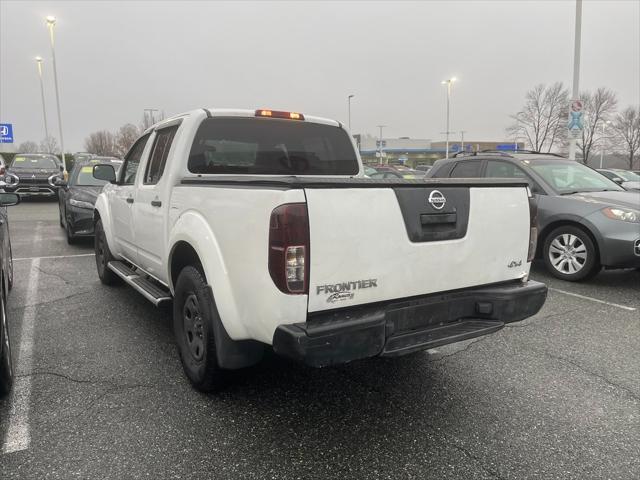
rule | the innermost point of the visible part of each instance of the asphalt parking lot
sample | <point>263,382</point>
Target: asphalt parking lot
<point>100,392</point>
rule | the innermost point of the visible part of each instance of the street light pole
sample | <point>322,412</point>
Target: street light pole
<point>448,82</point>
<point>380,142</point>
<point>150,111</point>
<point>51,22</point>
<point>604,124</point>
<point>576,71</point>
<point>349,103</point>
<point>462,132</point>
<point>44,109</point>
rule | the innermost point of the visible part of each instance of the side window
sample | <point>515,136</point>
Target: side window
<point>466,169</point>
<point>498,169</point>
<point>132,161</point>
<point>159,154</point>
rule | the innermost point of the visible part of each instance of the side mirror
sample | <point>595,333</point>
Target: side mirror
<point>61,168</point>
<point>104,172</point>
<point>60,183</point>
<point>618,180</point>
<point>9,199</point>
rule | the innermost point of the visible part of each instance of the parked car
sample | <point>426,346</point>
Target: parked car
<point>33,174</point>
<point>77,197</point>
<point>424,168</point>
<point>6,282</point>
<point>625,178</point>
<point>585,220</point>
<point>3,166</point>
<point>260,227</point>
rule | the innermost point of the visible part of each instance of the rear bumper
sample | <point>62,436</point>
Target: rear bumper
<point>401,327</point>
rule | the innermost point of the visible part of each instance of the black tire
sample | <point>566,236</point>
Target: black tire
<point>6,363</point>
<point>194,314</point>
<point>103,257</point>
<point>71,239</point>
<point>570,254</point>
<point>10,272</point>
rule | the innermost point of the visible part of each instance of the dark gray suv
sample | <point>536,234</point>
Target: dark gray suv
<point>585,220</point>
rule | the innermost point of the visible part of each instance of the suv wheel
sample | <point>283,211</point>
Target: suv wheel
<point>570,254</point>
<point>6,365</point>
<point>194,312</point>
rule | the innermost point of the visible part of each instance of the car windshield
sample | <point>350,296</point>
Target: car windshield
<point>628,176</point>
<point>264,146</point>
<point>34,161</point>
<point>83,177</point>
<point>571,177</point>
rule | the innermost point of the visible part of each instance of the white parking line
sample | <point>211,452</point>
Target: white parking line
<point>584,297</point>
<point>55,256</point>
<point>18,436</point>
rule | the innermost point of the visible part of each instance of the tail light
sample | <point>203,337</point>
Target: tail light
<point>289,248</point>
<point>533,227</point>
<point>2,170</point>
<point>279,114</point>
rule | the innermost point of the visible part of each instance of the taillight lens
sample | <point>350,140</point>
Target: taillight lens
<point>533,227</point>
<point>289,248</point>
<point>2,170</point>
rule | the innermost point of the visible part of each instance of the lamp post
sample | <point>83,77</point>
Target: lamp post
<point>448,82</point>
<point>380,142</point>
<point>576,70</point>
<point>604,124</point>
<point>349,107</point>
<point>44,109</point>
<point>51,23</point>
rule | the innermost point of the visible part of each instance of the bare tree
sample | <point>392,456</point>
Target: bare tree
<point>151,117</point>
<point>597,107</point>
<point>125,137</point>
<point>542,121</point>
<point>28,147</point>
<point>626,128</point>
<point>49,144</point>
<point>102,142</point>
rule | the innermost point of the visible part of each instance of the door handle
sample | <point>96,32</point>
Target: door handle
<point>129,199</point>
<point>156,203</point>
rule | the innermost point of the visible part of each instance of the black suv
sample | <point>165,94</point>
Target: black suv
<point>33,174</point>
<point>585,220</point>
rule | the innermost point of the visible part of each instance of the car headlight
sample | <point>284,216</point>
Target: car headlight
<point>624,214</point>
<point>81,204</point>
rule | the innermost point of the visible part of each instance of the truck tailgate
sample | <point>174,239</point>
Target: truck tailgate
<point>372,243</point>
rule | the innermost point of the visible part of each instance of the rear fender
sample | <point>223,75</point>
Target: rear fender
<point>192,228</point>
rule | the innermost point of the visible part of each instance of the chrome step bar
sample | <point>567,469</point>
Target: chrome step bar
<point>152,292</point>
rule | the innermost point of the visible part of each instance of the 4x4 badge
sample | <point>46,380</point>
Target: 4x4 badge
<point>437,200</point>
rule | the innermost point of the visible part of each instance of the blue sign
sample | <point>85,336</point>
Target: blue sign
<point>6,133</point>
<point>507,146</point>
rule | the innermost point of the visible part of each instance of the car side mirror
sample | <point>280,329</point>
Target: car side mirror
<point>60,183</point>
<point>104,172</point>
<point>61,168</point>
<point>618,180</point>
<point>9,199</point>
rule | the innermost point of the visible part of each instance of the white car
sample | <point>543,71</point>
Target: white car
<point>261,228</point>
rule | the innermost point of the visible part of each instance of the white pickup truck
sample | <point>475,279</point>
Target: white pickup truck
<point>262,229</point>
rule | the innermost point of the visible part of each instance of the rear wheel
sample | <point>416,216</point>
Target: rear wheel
<point>103,257</point>
<point>194,312</point>
<point>570,254</point>
<point>6,364</point>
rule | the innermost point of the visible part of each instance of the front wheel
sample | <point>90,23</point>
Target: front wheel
<point>194,312</point>
<point>103,257</point>
<point>6,364</point>
<point>570,254</point>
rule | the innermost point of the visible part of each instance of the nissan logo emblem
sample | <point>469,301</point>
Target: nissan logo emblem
<point>437,200</point>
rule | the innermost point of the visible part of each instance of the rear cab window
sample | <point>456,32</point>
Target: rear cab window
<point>267,146</point>
<point>159,154</point>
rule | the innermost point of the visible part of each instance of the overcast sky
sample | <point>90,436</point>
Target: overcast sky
<point>116,58</point>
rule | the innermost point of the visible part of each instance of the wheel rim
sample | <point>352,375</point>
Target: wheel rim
<point>568,253</point>
<point>193,327</point>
